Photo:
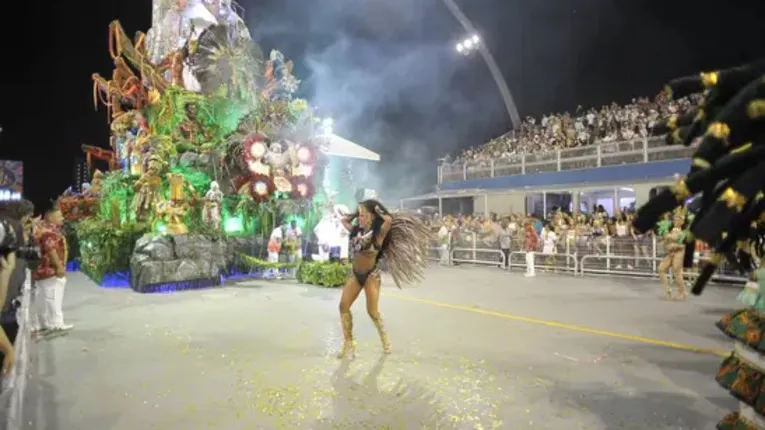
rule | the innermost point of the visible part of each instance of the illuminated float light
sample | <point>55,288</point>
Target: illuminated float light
<point>258,150</point>
<point>260,188</point>
<point>116,280</point>
<point>302,190</point>
<point>233,224</point>
<point>172,287</point>
<point>460,48</point>
<point>304,154</point>
<point>160,227</point>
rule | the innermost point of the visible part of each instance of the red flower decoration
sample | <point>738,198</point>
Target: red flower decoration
<point>255,147</point>
<point>306,153</point>
<point>261,187</point>
<point>74,208</point>
<point>302,188</point>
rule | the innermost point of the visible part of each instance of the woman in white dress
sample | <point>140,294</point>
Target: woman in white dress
<point>549,239</point>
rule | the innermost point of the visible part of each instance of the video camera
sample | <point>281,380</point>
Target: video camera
<point>12,240</point>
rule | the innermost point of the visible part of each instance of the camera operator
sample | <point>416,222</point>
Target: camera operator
<point>15,256</point>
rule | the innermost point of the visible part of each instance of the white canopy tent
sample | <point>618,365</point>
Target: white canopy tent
<point>341,147</point>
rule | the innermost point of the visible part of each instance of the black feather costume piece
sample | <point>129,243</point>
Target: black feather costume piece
<point>727,169</point>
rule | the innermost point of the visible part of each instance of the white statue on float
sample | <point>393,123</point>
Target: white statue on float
<point>213,200</point>
<point>175,22</point>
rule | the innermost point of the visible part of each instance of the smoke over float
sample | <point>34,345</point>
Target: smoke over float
<point>384,72</point>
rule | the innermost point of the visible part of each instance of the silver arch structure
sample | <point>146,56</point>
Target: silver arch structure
<point>507,97</point>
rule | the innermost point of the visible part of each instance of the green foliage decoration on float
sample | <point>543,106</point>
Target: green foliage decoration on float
<point>116,197</point>
<point>324,274</point>
<point>105,249</point>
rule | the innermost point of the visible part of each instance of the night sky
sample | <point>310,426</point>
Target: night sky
<point>384,69</point>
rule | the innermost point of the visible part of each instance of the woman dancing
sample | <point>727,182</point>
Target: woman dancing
<point>402,240</point>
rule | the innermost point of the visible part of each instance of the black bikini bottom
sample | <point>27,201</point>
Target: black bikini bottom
<point>362,277</point>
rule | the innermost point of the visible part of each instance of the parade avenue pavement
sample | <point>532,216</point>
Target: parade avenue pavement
<point>473,348</point>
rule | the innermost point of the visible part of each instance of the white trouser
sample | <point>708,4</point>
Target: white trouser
<point>530,263</point>
<point>323,254</point>
<point>52,290</point>
<point>273,257</point>
<point>296,256</point>
<point>443,255</point>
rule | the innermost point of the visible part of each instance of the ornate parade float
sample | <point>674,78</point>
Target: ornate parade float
<point>208,151</point>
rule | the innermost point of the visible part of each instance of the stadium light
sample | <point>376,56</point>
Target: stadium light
<point>468,45</point>
<point>475,43</point>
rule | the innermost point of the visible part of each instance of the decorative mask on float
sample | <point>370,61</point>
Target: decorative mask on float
<point>279,162</point>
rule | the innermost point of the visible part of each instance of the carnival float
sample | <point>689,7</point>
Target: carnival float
<point>209,149</point>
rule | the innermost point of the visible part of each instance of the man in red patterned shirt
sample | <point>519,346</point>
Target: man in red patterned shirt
<point>50,275</point>
<point>530,242</point>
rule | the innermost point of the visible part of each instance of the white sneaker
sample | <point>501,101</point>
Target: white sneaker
<point>65,327</point>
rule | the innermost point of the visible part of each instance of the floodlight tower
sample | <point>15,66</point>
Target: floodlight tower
<point>473,43</point>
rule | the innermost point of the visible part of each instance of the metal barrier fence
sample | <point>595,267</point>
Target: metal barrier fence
<point>592,255</point>
<point>586,157</point>
<point>14,384</point>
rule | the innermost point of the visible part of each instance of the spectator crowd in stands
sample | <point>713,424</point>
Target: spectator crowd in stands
<point>557,233</point>
<point>584,127</point>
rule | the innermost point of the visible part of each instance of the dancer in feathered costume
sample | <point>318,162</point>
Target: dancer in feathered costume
<point>674,259</point>
<point>402,240</point>
<point>728,170</point>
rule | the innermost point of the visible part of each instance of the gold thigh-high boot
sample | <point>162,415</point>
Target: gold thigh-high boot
<point>383,334</point>
<point>349,348</point>
<point>678,274</point>
<point>664,266</point>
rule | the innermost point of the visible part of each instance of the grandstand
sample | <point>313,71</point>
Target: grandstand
<point>611,123</point>
<point>591,152</point>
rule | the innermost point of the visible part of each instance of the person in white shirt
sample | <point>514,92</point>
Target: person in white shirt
<point>339,239</point>
<point>344,239</point>
<point>505,239</point>
<point>549,239</point>
<point>324,232</point>
<point>275,243</point>
<point>443,245</point>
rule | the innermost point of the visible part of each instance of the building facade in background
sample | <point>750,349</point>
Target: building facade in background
<point>80,174</point>
<point>11,179</point>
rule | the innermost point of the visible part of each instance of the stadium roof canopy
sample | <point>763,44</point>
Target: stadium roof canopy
<point>341,147</point>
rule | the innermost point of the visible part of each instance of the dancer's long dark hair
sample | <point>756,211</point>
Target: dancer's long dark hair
<point>371,206</point>
<point>405,247</point>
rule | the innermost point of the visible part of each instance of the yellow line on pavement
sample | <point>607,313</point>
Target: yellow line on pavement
<point>555,324</point>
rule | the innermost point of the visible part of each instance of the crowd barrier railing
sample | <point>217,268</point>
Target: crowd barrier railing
<point>13,387</point>
<point>643,150</point>
<point>620,256</point>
